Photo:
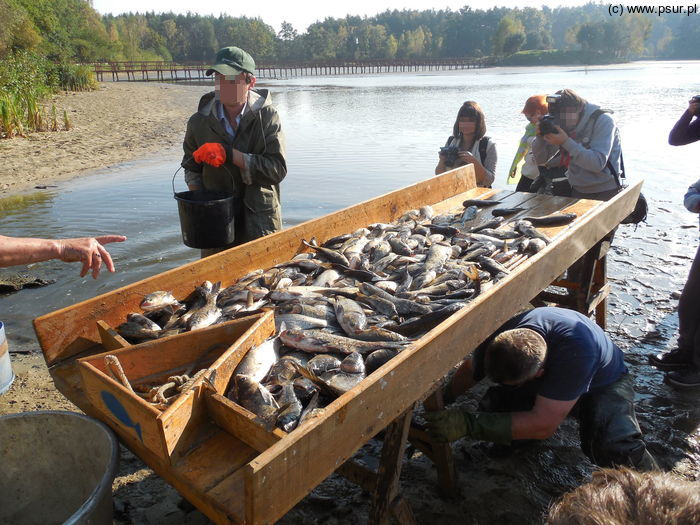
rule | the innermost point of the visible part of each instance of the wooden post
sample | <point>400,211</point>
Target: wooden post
<point>384,499</point>
<point>442,452</point>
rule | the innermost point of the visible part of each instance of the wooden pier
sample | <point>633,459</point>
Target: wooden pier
<point>145,71</point>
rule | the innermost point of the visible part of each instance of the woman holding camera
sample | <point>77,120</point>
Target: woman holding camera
<point>469,145</point>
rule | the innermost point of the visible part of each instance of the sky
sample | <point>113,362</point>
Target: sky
<point>303,13</point>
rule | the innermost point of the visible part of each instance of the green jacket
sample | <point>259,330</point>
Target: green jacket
<point>258,210</point>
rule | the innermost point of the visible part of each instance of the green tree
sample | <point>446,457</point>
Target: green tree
<point>510,34</point>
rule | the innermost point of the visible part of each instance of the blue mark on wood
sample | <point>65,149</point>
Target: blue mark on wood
<point>115,406</point>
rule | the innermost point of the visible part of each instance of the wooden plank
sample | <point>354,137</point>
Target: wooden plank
<point>241,423</point>
<point>359,474</point>
<point>111,340</point>
<point>304,458</point>
<point>71,330</point>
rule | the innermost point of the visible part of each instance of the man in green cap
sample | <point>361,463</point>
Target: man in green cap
<point>235,141</point>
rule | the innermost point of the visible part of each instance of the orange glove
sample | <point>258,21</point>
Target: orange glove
<point>212,153</point>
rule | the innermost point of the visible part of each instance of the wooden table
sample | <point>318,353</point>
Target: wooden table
<point>232,481</point>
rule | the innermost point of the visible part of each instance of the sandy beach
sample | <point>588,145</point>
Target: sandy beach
<point>116,123</point>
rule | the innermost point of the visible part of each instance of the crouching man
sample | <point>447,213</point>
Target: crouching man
<point>549,363</point>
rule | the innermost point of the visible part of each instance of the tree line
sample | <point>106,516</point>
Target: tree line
<point>72,30</point>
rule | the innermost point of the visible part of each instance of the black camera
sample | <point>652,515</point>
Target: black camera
<point>696,99</point>
<point>553,100</point>
<point>547,124</point>
<point>450,153</point>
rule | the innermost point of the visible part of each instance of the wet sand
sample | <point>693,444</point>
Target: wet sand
<point>116,123</point>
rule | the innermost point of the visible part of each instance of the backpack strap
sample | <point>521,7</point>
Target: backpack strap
<point>618,176</point>
<point>483,144</point>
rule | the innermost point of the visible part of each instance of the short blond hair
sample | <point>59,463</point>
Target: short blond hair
<point>627,497</point>
<point>514,355</point>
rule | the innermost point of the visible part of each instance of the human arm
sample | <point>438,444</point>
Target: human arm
<point>692,198</point>
<point>542,151</point>
<point>441,168</point>
<point>500,427</point>
<point>594,157</point>
<point>484,172</point>
<point>88,250</point>
<point>270,166</point>
<point>684,132</point>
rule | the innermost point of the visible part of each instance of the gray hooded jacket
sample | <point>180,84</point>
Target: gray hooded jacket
<point>590,148</point>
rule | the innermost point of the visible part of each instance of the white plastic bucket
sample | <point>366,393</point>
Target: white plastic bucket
<point>6,374</point>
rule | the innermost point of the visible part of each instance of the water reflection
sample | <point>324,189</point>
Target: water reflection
<point>352,138</point>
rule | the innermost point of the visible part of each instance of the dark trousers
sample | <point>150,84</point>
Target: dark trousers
<point>608,428</point>
<point>689,314</point>
<point>524,184</point>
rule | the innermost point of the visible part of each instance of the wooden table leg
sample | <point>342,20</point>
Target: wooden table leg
<point>384,499</point>
<point>600,279</point>
<point>442,452</point>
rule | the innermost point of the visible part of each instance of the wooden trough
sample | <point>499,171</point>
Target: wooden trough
<point>258,476</point>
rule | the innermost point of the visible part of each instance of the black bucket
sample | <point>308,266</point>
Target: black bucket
<point>206,218</point>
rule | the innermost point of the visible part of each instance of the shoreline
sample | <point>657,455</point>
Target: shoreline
<point>152,117</point>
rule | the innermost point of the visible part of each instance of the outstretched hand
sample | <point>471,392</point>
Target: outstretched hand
<point>90,251</point>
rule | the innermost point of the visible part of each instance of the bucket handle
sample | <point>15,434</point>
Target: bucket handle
<point>233,186</point>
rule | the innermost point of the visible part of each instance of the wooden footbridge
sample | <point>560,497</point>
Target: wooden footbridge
<point>144,71</point>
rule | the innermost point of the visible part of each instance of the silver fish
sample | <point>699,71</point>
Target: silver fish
<point>350,315</point>
<point>257,362</point>
<point>207,314</point>
<point>159,299</point>
<point>316,341</point>
<point>143,321</point>
<point>469,214</point>
<point>322,363</point>
<point>289,417</point>
<point>253,396</point>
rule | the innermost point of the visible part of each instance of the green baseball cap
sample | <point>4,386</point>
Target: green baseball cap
<point>231,61</point>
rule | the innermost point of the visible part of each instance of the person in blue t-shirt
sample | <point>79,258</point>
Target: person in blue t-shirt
<point>549,363</point>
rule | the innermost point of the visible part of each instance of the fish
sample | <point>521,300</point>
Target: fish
<point>490,224</point>
<point>321,363</point>
<point>402,306</point>
<point>353,364</point>
<point>500,234</point>
<point>258,360</point>
<point>469,214</point>
<point>427,322</point>
<point>449,231</point>
<point>159,299</point>
<point>480,203</point>
<point>378,358</point>
<point>144,321</point>
<point>535,246</point>
<point>288,418</point>
<point>399,247</point>
<point>136,333</point>
<point>437,255</point>
<point>526,228</point>
<point>330,255</point>
<point>208,313</point>
<point>317,341</point>
<point>326,278</point>
<point>350,315</point>
<point>375,333</point>
<point>255,398</point>
<point>299,321</point>
<point>497,270</point>
<point>310,408</point>
<point>503,212</point>
<point>282,371</point>
<point>337,240</point>
<point>342,382</point>
<point>555,219</point>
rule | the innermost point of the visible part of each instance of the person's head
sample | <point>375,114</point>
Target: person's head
<point>567,108</point>
<point>470,120</point>
<point>515,356</point>
<point>627,497</point>
<point>234,75</point>
<point>535,108</point>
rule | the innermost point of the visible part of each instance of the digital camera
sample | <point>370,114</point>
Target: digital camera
<point>450,153</point>
<point>696,99</point>
<point>547,124</point>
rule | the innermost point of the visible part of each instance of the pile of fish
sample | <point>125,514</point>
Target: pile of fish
<point>350,304</point>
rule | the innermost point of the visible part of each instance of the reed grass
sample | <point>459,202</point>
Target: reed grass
<point>26,80</point>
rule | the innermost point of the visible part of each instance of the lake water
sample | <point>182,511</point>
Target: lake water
<point>353,138</point>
